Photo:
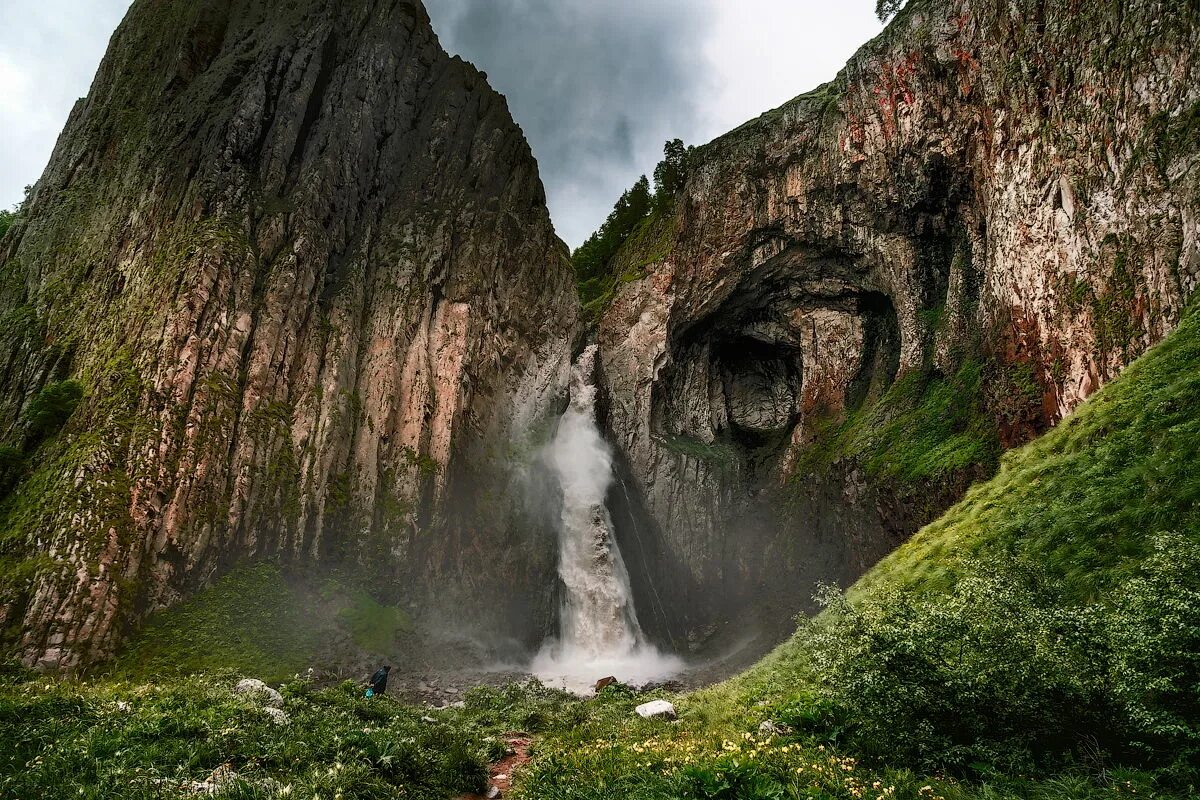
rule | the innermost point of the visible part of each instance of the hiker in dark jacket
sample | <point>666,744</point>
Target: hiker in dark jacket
<point>378,683</point>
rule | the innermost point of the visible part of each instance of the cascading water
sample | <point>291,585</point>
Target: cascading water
<point>599,634</point>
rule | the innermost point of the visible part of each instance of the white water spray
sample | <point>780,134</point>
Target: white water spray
<point>599,632</point>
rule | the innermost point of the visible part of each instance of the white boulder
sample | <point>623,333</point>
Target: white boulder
<point>656,709</point>
<point>277,715</point>
<point>253,686</point>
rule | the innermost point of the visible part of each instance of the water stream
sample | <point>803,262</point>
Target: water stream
<point>599,634</point>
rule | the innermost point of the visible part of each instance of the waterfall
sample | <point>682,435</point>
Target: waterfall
<point>599,634</point>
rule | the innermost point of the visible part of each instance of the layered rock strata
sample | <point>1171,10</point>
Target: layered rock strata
<point>1013,184</point>
<point>299,262</point>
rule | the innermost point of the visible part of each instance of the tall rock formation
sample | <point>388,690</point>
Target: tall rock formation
<point>298,262</point>
<point>1006,187</point>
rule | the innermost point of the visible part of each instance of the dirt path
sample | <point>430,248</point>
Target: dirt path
<point>500,774</point>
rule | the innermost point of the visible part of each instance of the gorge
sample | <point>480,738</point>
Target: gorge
<point>855,459</point>
<point>291,282</point>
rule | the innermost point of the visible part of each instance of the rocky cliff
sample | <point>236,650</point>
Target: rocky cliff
<point>860,297</point>
<point>288,288</point>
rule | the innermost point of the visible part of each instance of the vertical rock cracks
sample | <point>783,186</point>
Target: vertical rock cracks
<point>300,262</point>
<point>1012,184</point>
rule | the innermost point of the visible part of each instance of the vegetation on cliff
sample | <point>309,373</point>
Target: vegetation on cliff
<point>1039,641</point>
<point>924,427</point>
<point>637,223</point>
<point>8,217</point>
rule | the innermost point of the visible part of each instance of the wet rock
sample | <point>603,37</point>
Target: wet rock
<point>604,683</point>
<point>656,709</point>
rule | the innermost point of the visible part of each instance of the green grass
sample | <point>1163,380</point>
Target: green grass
<point>252,621</point>
<point>1085,498</point>
<point>136,742</point>
<point>924,427</point>
<point>374,626</point>
<point>256,620</point>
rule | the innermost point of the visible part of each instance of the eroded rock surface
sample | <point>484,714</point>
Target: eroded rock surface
<point>1010,182</point>
<point>299,260</point>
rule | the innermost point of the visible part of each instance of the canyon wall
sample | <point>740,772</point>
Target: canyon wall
<point>995,199</point>
<point>298,263</point>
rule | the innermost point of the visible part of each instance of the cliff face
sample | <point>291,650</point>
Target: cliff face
<point>299,263</point>
<point>995,195</point>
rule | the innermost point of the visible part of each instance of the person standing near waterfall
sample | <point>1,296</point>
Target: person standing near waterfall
<point>378,684</point>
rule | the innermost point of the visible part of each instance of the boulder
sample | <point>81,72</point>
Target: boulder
<point>277,715</point>
<point>604,683</point>
<point>656,709</point>
<point>255,687</point>
<point>221,778</point>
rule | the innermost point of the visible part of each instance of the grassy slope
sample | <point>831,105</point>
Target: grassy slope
<point>258,622</point>
<point>1085,501</point>
<point>1085,498</point>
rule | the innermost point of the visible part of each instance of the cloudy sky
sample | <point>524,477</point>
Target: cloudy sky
<point>598,85</point>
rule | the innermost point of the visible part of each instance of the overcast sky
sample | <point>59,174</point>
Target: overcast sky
<point>598,85</point>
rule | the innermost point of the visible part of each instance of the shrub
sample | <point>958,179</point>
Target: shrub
<point>1004,673</point>
<point>886,9</point>
<point>49,411</point>
<point>1154,636</point>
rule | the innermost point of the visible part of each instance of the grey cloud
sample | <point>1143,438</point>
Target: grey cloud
<point>597,86</point>
<point>48,53</point>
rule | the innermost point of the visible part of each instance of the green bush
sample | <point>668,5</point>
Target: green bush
<point>124,741</point>
<point>1005,674</point>
<point>49,411</point>
<point>1153,635</point>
